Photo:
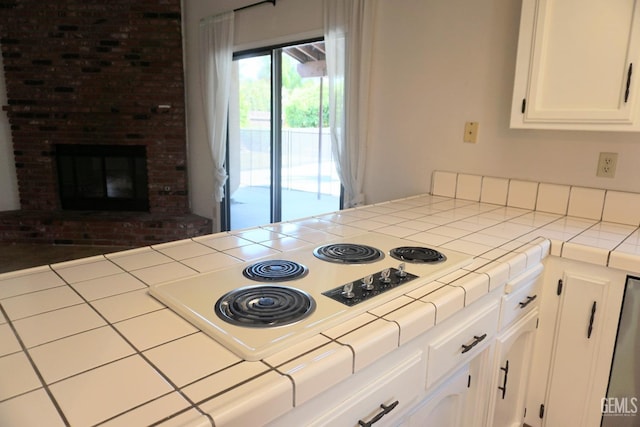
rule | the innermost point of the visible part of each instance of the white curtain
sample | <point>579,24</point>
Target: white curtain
<point>348,36</point>
<point>216,57</point>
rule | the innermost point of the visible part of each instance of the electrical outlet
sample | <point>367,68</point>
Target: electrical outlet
<point>471,132</point>
<point>607,165</point>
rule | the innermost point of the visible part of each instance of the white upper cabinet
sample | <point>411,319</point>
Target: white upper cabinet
<point>578,65</point>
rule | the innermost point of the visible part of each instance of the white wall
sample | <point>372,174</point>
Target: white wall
<point>437,64</point>
<point>8,183</point>
<point>440,63</point>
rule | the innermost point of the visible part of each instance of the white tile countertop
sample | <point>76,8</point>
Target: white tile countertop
<point>82,343</point>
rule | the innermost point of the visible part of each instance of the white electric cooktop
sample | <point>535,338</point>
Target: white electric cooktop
<point>325,293</point>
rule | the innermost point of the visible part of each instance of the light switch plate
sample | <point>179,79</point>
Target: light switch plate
<point>471,132</point>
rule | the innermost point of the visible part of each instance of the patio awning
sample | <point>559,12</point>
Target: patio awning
<point>311,58</point>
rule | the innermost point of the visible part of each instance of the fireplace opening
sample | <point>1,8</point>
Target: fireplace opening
<point>102,177</point>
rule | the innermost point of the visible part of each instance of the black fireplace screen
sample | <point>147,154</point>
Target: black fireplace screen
<point>102,177</point>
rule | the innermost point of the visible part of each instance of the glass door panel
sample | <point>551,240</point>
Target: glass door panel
<point>310,184</point>
<point>250,143</point>
<point>280,170</point>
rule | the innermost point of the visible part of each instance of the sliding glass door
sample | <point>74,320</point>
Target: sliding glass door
<point>279,155</point>
<point>249,152</point>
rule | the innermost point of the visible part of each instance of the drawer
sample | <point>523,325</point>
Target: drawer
<point>459,343</point>
<point>396,390</point>
<point>523,297</point>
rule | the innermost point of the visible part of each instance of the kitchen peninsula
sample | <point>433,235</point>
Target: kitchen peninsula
<point>83,342</point>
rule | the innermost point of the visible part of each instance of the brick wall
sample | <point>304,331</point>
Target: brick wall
<point>99,229</point>
<point>95,72</point>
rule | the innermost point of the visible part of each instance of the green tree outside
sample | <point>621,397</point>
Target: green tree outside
<point>300,96</point>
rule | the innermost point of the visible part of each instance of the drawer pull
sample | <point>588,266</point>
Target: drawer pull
<point>523,304</point>
<point>476,340</point>
<point>385,410</point>
<point>504,381</point>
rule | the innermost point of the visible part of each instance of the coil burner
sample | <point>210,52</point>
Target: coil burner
<point>264,306</point>
<point>348,253</point>
<point>417,254</point>
<point>275,270</point>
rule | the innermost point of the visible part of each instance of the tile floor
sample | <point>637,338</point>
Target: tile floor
<point>15,256</point>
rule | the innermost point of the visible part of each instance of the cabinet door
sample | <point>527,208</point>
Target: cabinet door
<point>514,349</point>
<point>570,372</point>
<point>571,396</point>
<point>444,407</point>
<point>577,65</point>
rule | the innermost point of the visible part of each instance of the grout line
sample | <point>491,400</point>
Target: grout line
<point>140,354</point>
<point>45,386</point>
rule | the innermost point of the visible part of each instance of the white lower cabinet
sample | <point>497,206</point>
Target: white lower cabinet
<point>458,401</point>
<point>379,395</point>
<point>514,350</point>
<point>513,354</point>
<point>459,360</point>
<point>444,377</point>
<point>461,342</point>
<point>521,296</point>
<point>379,401</point>
<point>578,323</point>
<point>445,405</point>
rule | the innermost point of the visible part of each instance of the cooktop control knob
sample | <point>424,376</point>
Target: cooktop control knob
<point>367,283</point>
<point>347,291</point>
<point>370,286</point>
<point>385,276</point>
<point>401,272</point>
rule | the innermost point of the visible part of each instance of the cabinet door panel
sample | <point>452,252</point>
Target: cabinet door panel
<point>513,359</point>
<point>569,373</point>
<point>445,406</point>
<point>573,67</point>
<point>580,59</point>
<point>574,359</point>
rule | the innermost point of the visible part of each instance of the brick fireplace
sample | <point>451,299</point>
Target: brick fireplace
<point>103,74</point>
